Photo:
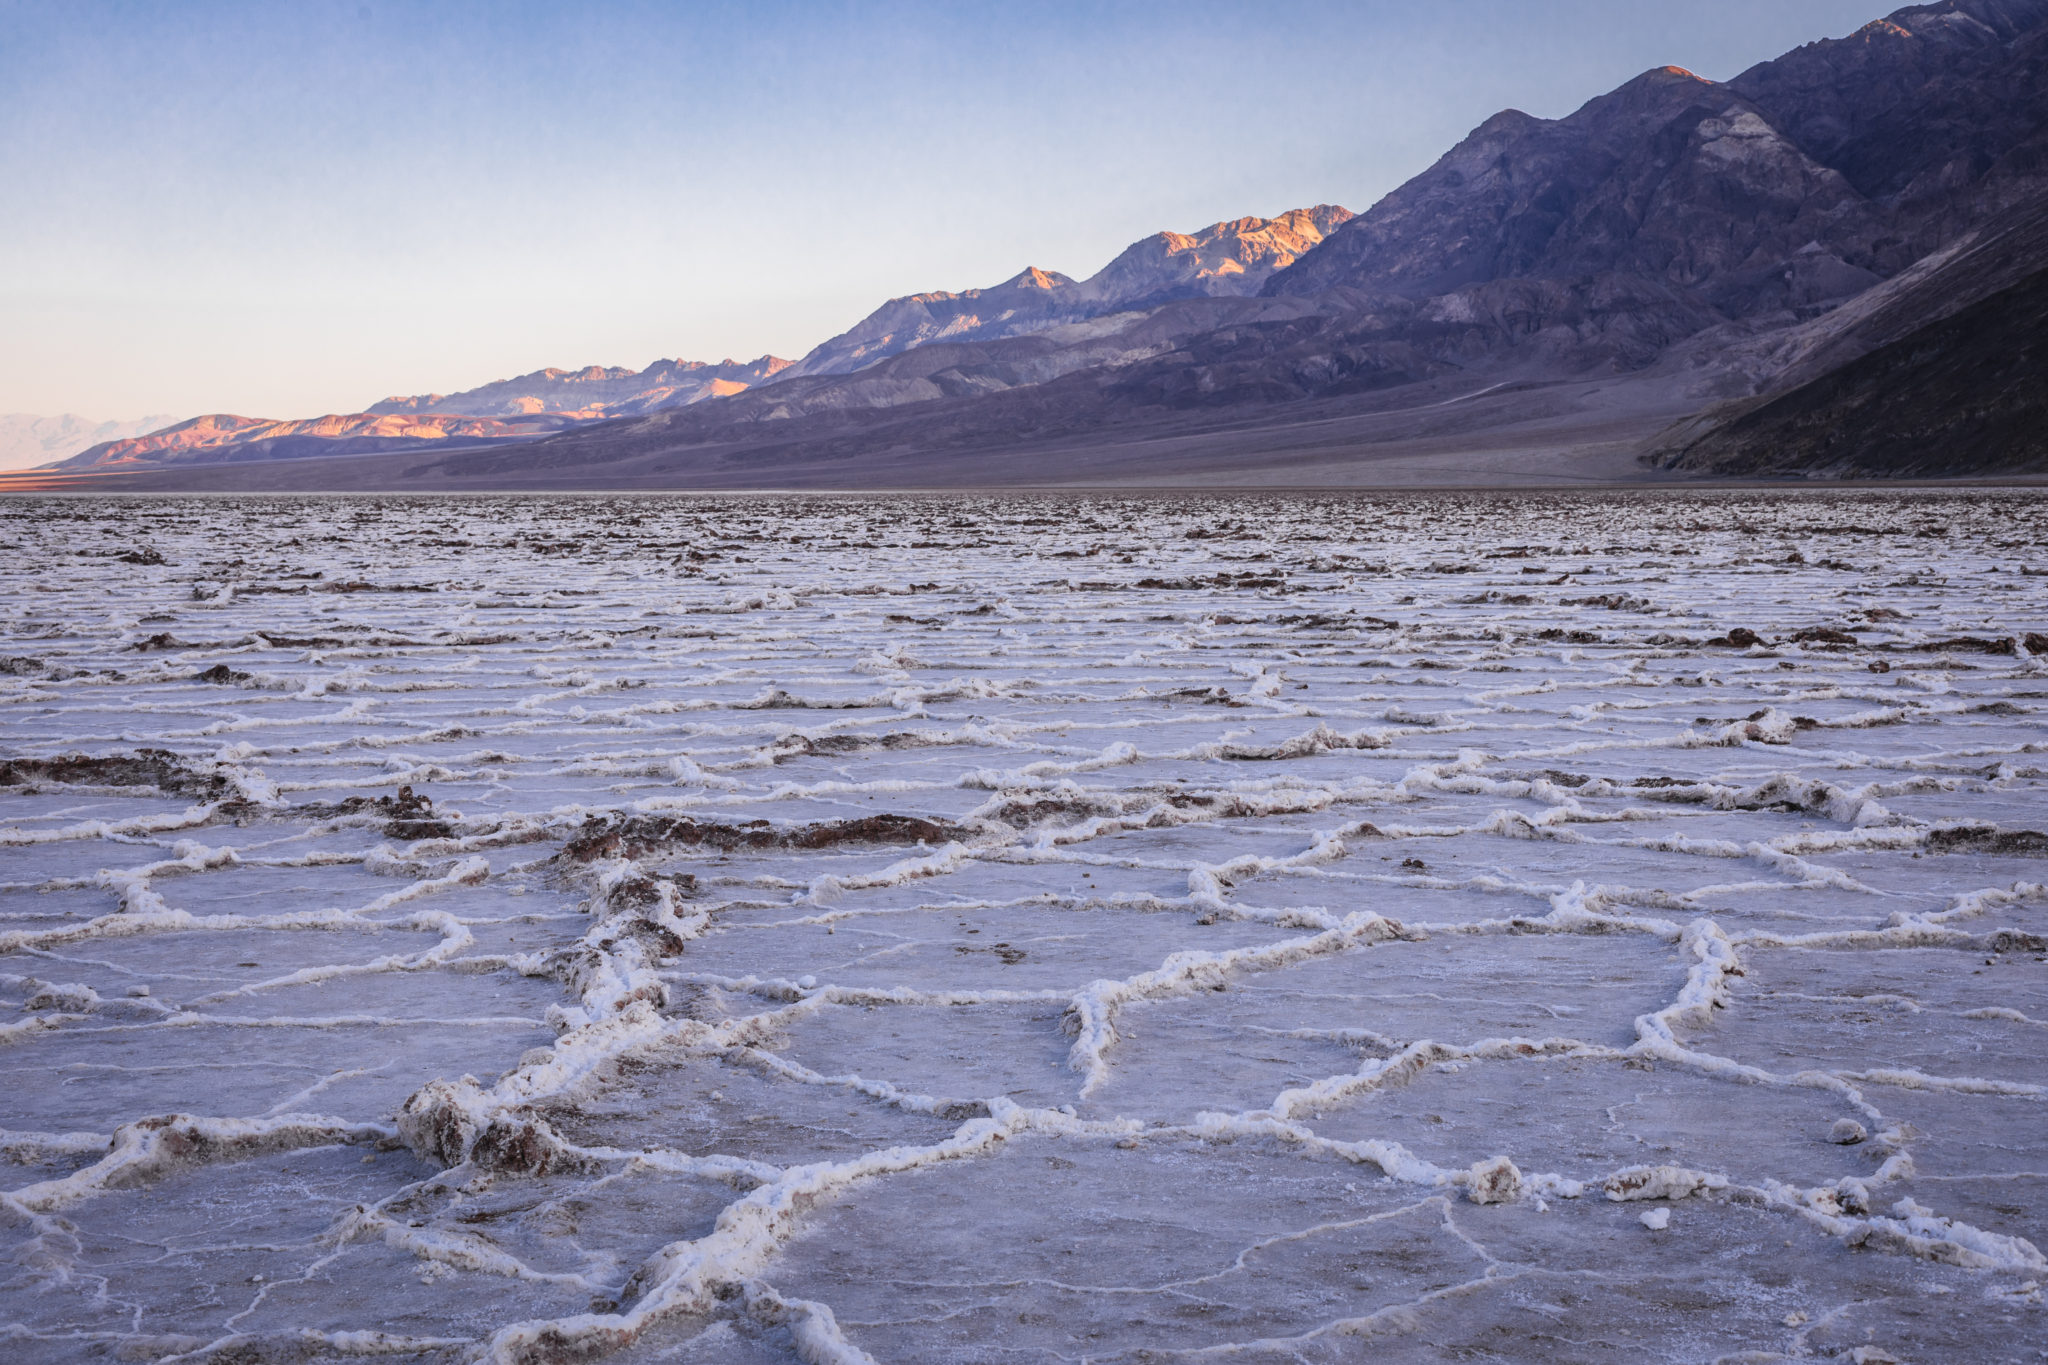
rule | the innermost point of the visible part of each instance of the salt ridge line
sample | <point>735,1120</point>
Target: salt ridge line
<point>144,911</point>
<point>1809,940</point>
<point>1921,1234</point>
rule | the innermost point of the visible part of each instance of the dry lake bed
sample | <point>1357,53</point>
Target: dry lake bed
<point>1529,927</point>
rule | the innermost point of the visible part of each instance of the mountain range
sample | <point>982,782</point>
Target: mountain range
<point>221,438</point>
<point>1647,287</point>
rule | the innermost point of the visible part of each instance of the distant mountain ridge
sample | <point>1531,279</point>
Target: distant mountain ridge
<point>595,391</point>
<point>522,408</point>
<point>218,437</point>
<point>1227,259</point>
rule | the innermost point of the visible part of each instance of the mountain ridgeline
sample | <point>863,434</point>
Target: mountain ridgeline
<point>1223,260</point>
<point>1646,287</point>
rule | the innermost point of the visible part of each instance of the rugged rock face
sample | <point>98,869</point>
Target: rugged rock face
<point>1936,112</point>
<point>1670,178</point>
<point>1224,260</point>
<point>2004,250</point>
<point>595,391</point>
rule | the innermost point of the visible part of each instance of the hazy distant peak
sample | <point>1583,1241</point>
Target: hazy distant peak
<point>27,439</point>
<point>529,405</point>
<point>215,424</point>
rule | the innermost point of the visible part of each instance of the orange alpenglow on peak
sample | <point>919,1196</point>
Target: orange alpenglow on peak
<point>1031,277</point>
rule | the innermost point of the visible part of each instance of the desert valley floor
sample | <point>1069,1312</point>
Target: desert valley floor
<point>1009,929</point>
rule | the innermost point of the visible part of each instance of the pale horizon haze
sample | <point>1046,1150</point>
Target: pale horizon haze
<point>285,211</point>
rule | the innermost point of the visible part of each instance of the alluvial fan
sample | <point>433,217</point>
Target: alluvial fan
<point>958,929</point>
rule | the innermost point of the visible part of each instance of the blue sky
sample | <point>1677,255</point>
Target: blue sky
<point>285,209</point>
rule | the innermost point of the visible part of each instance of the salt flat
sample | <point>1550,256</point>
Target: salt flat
<point>941,929</point>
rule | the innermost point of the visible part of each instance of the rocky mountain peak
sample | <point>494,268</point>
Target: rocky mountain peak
<point>1031,277</point>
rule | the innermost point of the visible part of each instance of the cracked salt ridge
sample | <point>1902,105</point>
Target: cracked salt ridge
<point>1055,707</point>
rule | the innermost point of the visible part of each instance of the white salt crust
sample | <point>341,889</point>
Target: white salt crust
<point>479,937</point>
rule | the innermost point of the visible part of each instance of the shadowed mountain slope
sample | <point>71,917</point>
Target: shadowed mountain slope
<point>1943,371</point>
<point>1967,395</point>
